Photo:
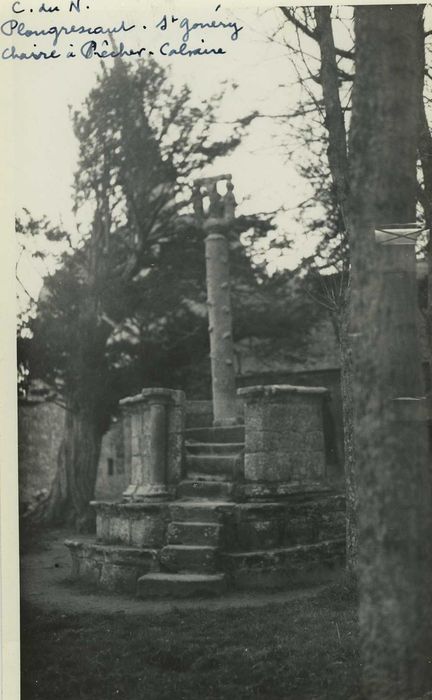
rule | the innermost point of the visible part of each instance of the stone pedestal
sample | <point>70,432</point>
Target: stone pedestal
<point>153,432</point>
<point>284,440</point>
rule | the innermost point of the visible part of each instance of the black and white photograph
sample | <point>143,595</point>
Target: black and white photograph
<point>216,400</point>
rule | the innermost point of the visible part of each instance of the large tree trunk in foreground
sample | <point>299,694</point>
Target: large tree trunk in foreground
<point>349,444</point>
<point>73,486</point>
<point>74,483</point>
<point>393,472</point>
<point>88,410</point>
<point>87,403</point>
<point>338,162</point>
<point>425,152</point>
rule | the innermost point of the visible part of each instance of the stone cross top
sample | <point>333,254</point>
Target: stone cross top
<point>221,210</point>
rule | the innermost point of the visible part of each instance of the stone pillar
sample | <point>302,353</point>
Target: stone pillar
<point>154,423</point>
<point>216,221</point>
<point>220,330</point>
<point>284,439</point>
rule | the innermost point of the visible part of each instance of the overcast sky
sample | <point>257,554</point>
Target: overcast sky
<point>45,149</point>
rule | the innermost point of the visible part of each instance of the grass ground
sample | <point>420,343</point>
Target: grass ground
<point>304,649</point>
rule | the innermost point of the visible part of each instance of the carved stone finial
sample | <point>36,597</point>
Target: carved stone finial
<point>229,202</point>
<point>197,202</point>
<point>220,208</point>
<point>216,209</point>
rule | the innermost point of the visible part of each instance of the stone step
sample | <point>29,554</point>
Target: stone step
<point>199,414</point>
<point>287,523</point>
<point>227,465</point>
<point>232,433</point>
<point>112,567</point>
<point>208,511</point>
<point>179,558</point>
<point>284,566</point>
<point>202,488</point>
<point>213,448</point>
<point>180,585</point>
<point>207,478</point>
<point>193,533</point>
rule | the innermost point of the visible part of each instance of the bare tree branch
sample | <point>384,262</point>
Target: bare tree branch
<point>311,33</point>
<point>334,120</point>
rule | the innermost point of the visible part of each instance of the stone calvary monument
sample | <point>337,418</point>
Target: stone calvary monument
<point>234,495</point>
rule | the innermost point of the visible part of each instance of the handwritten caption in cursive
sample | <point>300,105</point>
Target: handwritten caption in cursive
<point>31,34</point>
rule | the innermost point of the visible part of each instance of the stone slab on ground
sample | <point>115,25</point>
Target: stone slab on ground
<point>180,585</point>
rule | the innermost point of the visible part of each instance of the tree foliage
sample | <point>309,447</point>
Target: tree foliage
<point>126,307</point>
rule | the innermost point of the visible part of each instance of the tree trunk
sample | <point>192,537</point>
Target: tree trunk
<point>349,446</point>
<point>392,471</point>
<point>425,151</point>
<point>74,483</point>
<point>338,162</point>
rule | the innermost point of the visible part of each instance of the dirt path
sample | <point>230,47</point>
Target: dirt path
<point>45,582</point>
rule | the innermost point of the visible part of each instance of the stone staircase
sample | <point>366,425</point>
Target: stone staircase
<point>189,561</point>
<point>213,462</point>
<point>228,523</point>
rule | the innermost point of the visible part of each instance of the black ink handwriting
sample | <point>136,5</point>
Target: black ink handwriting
<point>183,50</point>
<point>12,27</point>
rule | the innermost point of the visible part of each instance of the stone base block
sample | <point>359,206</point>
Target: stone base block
<point>131,524</point>
<point>199,546</point>
<point>288,465</point>
<point>181,585</point>
<point>284,438</point>
<point>111,567</point>
<point>193,533</point>
<point>298,520</point>
<point>285,567</point>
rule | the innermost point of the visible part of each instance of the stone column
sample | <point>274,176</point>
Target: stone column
<point>216,221</point>
<point>284,439</point>
<point>220,330</point>
<point>156,435</point>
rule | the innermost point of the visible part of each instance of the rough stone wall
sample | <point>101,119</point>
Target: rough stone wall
<point>40,431</point>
